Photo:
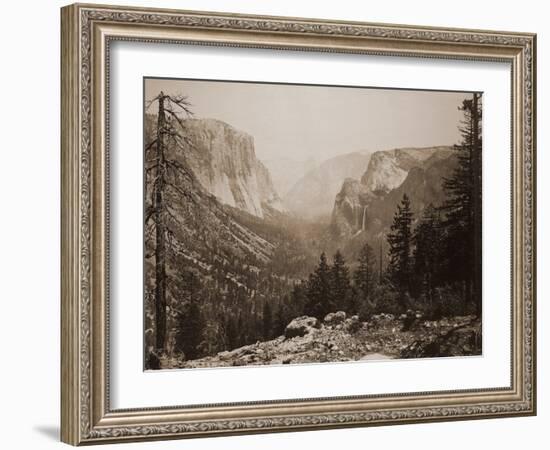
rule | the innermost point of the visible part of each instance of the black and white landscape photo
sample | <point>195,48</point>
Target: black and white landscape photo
<point>299,224</point>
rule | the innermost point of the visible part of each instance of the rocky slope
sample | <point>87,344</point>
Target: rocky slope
<point>313,195</point>
<point>224,161</point>
<point>339,339</point>
<point>367,206</point>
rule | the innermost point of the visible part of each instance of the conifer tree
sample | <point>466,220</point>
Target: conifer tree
<point>318,291</point>
<point>340,283</point>
<point>190,324</point>
<point>399,241</point>
<point>462,207</point>
<point>279,323</point>
<point>267,321</point>
<point>162,175</point>
<point>241,333</point>
<point>427,254</point>
<point>365,275</point>
<point>231,333</point>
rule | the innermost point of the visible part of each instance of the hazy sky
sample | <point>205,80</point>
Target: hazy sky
<point>319,122</point>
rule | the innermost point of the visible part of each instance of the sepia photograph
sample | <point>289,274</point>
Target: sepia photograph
<point>300,224</point>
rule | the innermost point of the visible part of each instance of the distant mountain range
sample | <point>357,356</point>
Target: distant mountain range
<point>286,172</point>
<point>313,195</point>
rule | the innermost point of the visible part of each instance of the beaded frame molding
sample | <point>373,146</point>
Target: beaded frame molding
<point>86,33</point>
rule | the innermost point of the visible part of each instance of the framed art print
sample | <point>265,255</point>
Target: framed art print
<point>280,224</point>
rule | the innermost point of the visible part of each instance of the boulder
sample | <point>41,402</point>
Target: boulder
<point>353,324</point>
<point>335,318</point>
<point>225,355</point>
<point>383,320</point>
<point>301,326</point>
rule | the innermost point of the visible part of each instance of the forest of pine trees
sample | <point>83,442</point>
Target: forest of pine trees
<point>436,266</point>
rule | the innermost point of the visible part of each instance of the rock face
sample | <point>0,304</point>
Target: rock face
<point>313,195</point>
<point>224,161</point>
<point>388,169</point>
<point>367,206</point>
<point>349,214</point>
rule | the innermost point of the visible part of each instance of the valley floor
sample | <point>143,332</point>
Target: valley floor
<point>339,339</point>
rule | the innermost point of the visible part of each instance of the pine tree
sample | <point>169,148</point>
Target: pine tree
<point>162,174</point>
<point>427,254</point>
<point>231,333</point>
<point>241,332</point>
<point>365,275</point>
<point>380,264</point>
<point>280,321</point>
<point>399,240</point>
<point>267,321</point>
<point>340,283</point>
<point>318,291</point>
<point>298,300</point>
<point>462,207</point>
<point>189,335</point>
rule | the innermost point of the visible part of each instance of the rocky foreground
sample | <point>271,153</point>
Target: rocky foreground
<point>339,338</point>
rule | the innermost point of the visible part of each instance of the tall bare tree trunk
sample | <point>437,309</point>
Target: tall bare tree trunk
<point>160,250</point>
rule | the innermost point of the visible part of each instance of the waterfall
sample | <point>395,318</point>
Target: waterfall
<point>364,219</point>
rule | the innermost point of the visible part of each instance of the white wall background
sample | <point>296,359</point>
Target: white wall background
<point>29,225</point>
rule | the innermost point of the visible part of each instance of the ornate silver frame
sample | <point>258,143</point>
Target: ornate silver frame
<point>86,32</point>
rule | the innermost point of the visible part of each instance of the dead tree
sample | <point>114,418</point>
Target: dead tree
<point>162,174</point>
